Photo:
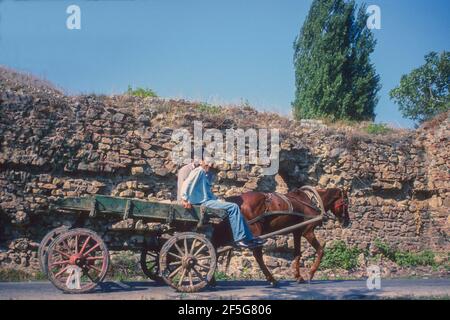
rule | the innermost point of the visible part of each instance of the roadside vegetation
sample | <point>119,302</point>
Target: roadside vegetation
<point>406,258</point>
<point>340,256</point>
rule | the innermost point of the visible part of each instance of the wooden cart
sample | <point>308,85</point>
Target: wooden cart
<point>177,250</point>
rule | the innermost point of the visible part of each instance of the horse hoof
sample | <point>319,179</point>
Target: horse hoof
<point>274,284</point>
<point>301,280</point>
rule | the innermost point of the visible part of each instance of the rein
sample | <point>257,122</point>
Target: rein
<point>275,213</point>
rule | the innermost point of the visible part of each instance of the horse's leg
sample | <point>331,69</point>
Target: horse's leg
<point>297,255</point>
<point>258,254</point>
<point>311,238</point>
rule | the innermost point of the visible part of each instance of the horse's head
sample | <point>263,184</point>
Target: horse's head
<point>339,207</point>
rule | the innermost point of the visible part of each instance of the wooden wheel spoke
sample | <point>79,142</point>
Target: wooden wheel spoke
<point>175,263</point>
<point>76,244</point>
<point>179,250</point>
<point>85,244</point>
<point>94,267</point>
<point>174,272</point>
<point>194,243</point>
<point>199,275</point>
<point>59,263</point>
<point>180,282</point>
<point>203,267</point>
<point>190,278</point>
<point>61,272</point>
<point>92,249</point>
<point>94,258</point>
<point>185,246</point>
<point>204,258</point>
<point>201,248</point>
<point>62,253</point>
<point>66,246</point>
<point>174,255</point>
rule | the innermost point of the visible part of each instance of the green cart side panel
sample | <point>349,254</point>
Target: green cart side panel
<point>132,208</point>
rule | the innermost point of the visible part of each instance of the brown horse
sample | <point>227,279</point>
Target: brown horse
<point>254,204</point>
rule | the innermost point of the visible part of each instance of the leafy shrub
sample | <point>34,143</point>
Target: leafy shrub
<point>424,258</point>
<point>339,255</point>
<point>375,128</point>
<point>141,92</point>
<point>406,258</point>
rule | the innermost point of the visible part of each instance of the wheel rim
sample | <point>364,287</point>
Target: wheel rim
<point>77,261</point>
<point>150,264</point>
<point>45,243</point>
<point>188,262</point>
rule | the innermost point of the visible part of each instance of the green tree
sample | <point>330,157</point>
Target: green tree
<point>335,78</point>
<point>424,92</point>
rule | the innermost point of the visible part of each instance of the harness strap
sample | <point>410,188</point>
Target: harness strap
<point>311,192</point>
<point>288,202</point>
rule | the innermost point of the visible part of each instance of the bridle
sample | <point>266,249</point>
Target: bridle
<point>342,202</point>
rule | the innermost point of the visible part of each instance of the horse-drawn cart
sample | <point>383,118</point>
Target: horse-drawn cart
<point>177,249</point>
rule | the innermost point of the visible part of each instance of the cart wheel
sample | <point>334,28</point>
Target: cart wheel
<point>45,243</point>
<point>150,264</point>
<point>77,261</point>
<point>187,262</point>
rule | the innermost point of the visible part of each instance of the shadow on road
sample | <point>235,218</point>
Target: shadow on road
<point>125,286</point>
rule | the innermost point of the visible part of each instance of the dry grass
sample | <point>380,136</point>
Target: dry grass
<point>436,121</point>
<point>17,78</point>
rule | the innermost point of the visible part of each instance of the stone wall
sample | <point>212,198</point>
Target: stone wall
<point>53,145</point>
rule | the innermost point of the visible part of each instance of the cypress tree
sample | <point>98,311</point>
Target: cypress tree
<point>335,78</point>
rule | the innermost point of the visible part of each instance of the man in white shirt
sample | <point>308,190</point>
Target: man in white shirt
<point>197,190</point>
<point>183,173</point>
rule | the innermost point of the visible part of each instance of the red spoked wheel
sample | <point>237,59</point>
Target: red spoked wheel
<point>77,261</point>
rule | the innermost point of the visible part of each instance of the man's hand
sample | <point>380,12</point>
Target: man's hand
<point>187,204</point>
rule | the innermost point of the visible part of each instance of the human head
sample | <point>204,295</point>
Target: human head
<point>207,164</point>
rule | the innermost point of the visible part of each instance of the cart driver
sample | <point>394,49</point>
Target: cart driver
<point>183,173</point>
<point>196,190</point>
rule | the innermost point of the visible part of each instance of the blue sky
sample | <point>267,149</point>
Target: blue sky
<point>206,50</point>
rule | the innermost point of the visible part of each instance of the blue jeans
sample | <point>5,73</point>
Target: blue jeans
<point>239,226</point>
